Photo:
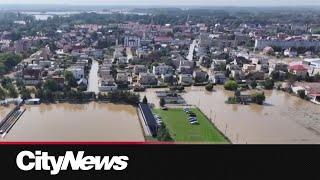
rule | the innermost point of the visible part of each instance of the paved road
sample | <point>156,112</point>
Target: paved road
<point>93,78</point>
<point>191,50</point>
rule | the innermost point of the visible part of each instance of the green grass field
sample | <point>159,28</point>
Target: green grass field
<point>181,130</point>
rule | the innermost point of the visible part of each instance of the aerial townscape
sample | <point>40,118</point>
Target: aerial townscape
<point>179,75</point>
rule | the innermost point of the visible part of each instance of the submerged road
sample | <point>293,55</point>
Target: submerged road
<point>93,78</point>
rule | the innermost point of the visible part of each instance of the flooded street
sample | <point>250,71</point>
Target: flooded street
<point>77,122</point>
<point>93,78</point>
<point>283,119</point>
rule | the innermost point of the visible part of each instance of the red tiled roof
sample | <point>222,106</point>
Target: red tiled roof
<point>298,67</point>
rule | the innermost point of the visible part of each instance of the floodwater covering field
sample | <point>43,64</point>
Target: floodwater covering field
<point>283,118</point>
<point>77,122</point>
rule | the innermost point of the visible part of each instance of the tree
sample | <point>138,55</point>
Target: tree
<point>50,85</point>
<point>258,98</point>
<point>209,87</point>
<point>302,94</point>
<point>3,93</point>
<point>123,96</point>
<point>145,100</point>
<point>253,84</point>
<point>12,92</point>
<point>163,134</point>
<point>162,102</point>
<point>25,93</point>
<point>268,84</point>
<point>231,85</point>
<point>19,83</point>
<point>6,82</point>
<point>8,61</point>
<point>70,79</point>
<point>15,35</point>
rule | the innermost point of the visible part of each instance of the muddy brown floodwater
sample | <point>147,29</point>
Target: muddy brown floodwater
<point>77,122</point>
<point>283,119</point>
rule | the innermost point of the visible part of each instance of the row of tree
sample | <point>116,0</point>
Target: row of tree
<point>7,89</point>
<point>8,61</point>
<point>120,97</point>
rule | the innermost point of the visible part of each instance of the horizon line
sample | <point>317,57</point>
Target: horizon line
<point>167,5</point>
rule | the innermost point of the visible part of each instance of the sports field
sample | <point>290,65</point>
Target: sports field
<point>181,130</point>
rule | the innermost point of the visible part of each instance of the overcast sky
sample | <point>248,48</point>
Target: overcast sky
<point>171,2</point>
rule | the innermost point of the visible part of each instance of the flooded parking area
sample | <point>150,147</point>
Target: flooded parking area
<point>77,122</point>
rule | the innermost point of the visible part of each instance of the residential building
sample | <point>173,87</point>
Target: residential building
<point>32,75</point>
<point>122,78</point>
<point>185,70</point>
<point>185,79</point>
<point>217,77</point>
<point>237,74</point>
<point>200,76</point>
<point>298,70</point>
<point>147,79</point>
<point>107,84</point>
<point>162,69</point>
<point>278,67</point>
<point>287,43</point>
<point>139,69</point>
<point>167,78</point>
<point>78,72</point>
<point>131,41</point>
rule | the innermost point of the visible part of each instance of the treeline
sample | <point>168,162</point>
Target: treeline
<point>8,61</point>
<point>70,96</point>
<point>7,89</point>
<point>81,96</point>
<point>120,97</point>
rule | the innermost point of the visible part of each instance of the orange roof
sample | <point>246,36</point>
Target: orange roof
<point>298,67</point>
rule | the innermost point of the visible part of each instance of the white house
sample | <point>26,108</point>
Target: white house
<point>107,85</point>
<point>77,72</point>
<point>162,69</point>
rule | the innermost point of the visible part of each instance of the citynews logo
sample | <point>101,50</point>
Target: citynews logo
<point>42,161</point>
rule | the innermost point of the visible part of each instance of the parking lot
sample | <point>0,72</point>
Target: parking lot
<point>189,125</point>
